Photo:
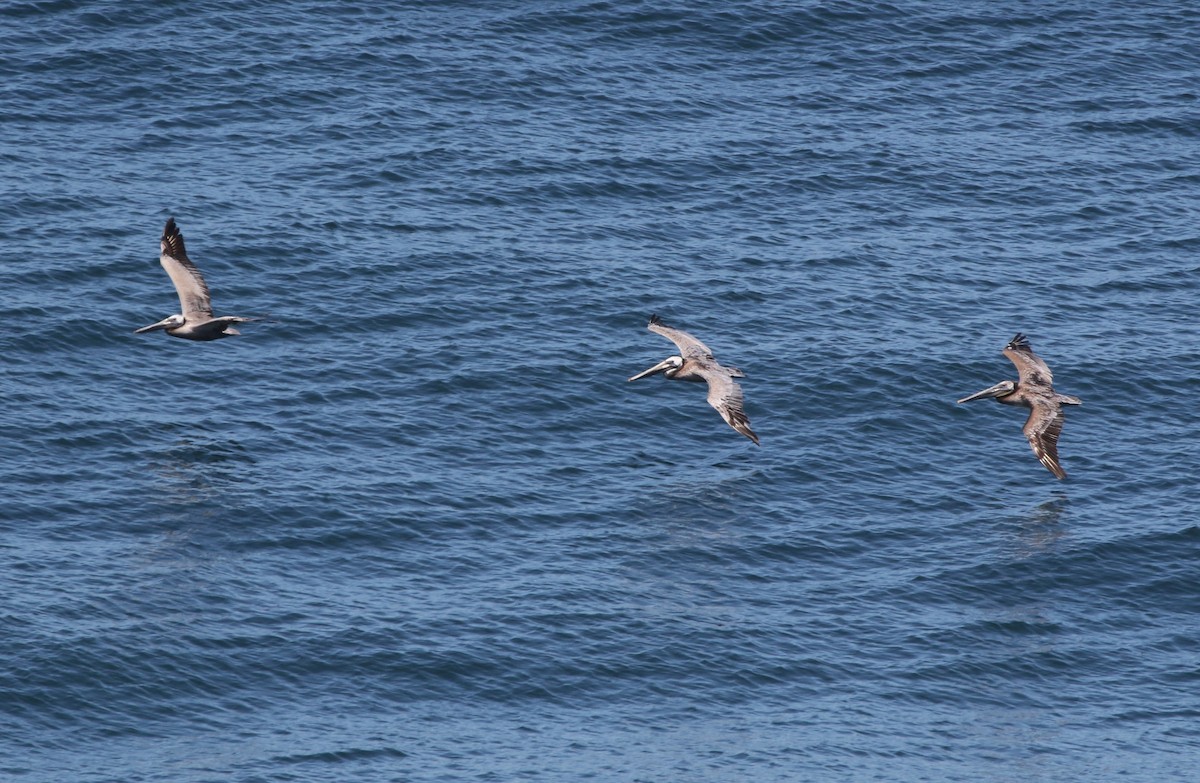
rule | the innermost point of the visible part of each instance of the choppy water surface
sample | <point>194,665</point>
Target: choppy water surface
<point>417,526</point>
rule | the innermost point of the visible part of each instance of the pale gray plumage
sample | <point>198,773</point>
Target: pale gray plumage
<point>1034,389</point>
<point>695,362</point>
<point>196,322</point>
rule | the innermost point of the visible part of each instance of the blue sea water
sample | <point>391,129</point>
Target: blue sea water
<point>416,526</point>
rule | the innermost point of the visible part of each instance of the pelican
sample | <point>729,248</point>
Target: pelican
<point>196,322</point>
<point>695,362</point>
<point>1034,391</point>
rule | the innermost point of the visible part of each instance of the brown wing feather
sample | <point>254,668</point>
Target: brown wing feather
<point>1031,370</point>
<point>725,395</point>
<point>1042,429</point>
<point>689,347</point>
<point>194,297</point>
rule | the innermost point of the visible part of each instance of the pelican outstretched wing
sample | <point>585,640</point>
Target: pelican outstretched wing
<point>1042,429</point>
<point>1030,368</point>
<point>194,298</point>
<point>689,347</point>
<point>725,395</point>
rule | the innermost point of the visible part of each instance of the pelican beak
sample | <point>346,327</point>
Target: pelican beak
<point>662,366</point>
<point>994,391</point>
<point>163,324</point>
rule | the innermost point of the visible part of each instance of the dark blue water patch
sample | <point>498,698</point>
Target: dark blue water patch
<point>1098,568</point>
<point>343,756</point>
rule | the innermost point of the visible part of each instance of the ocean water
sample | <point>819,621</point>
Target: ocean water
<point>415,525</point>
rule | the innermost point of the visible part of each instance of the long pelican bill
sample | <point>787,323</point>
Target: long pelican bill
<point>163,324</point>
<point>993,391</point>
<point>662,366</point>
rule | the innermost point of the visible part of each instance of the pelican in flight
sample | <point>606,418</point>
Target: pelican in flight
<point>695,362</point>
<point>1034,391</point>
<point>196,322</point>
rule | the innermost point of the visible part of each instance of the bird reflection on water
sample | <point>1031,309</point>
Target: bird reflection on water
<point>1041,528</point>
<point>195,472</point>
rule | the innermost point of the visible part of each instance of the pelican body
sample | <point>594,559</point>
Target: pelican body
<point>196,322</point>
<point>695,363</point>
<point>1034,391</point>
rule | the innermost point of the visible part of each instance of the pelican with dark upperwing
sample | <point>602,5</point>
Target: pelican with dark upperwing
<point>1034,391</point>
<point>197,321</point>
<point>695,362</point>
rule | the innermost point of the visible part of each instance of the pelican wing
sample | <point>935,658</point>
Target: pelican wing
<point>194,298</point>
<point>689,347</point>
<point>1042,429</point>
<point>1030,368</point>
<point>725,395</point>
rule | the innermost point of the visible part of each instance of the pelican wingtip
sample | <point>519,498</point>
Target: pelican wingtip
<point>1018,341</point>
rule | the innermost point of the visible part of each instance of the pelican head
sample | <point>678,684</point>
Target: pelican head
<point>1002,389</point>
<point>669,366</point>
<point>168,323</point>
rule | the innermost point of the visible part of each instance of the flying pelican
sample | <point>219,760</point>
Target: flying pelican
<point>1034,391</point>
<point>696,363</point>
<point>196,322</point>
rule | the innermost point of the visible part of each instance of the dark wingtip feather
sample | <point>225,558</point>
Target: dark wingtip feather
<point>654,319</point>
<point>172,239</point>
<point>1018,342</point>
<point>743,426</point>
